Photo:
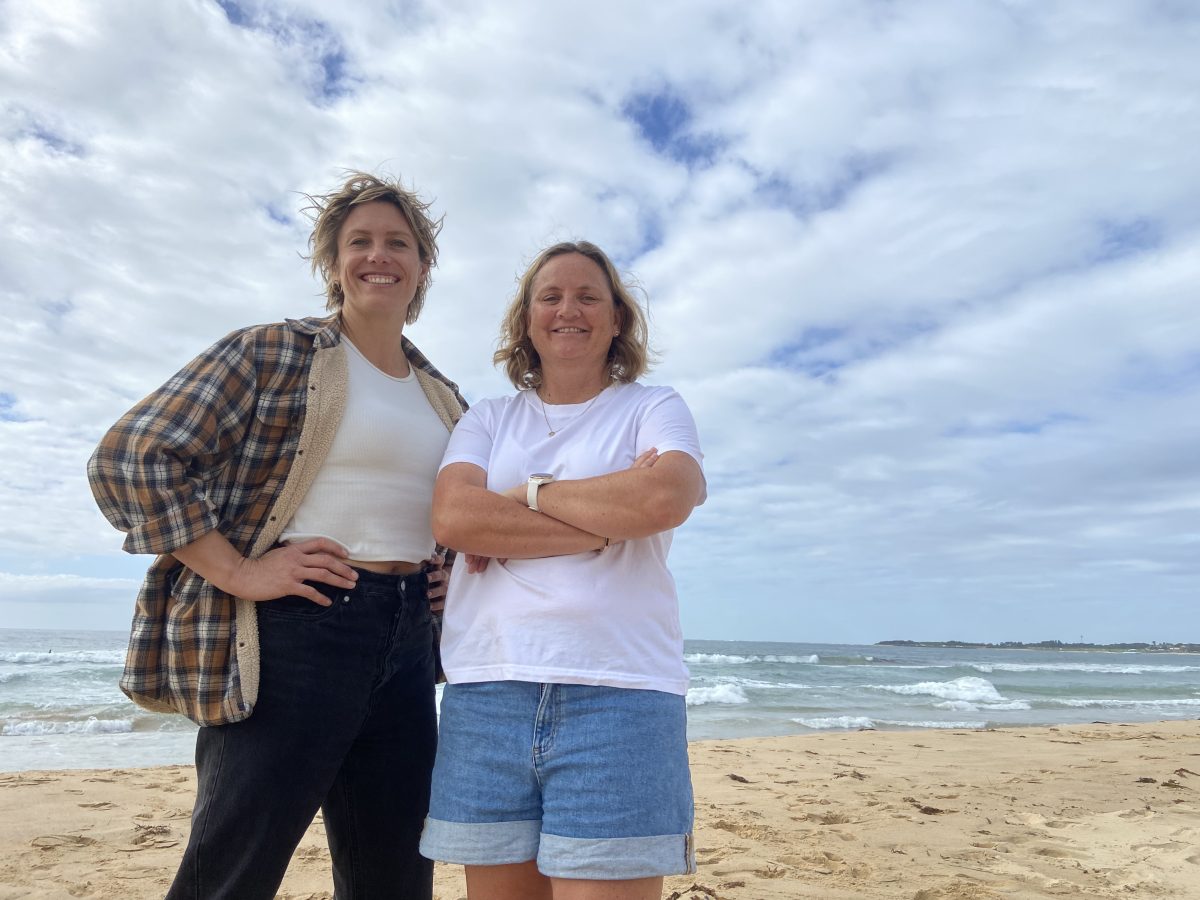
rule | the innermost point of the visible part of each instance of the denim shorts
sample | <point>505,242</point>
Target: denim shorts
<point>592,782</point>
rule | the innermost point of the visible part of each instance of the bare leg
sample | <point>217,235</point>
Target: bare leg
<point>519,881</point>
<point>631,889</point>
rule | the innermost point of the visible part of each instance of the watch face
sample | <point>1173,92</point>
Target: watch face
<point>541,477</point>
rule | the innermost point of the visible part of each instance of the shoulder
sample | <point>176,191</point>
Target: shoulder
<point>492,409</point>
<point>646,396</point>
<point>291,333</point>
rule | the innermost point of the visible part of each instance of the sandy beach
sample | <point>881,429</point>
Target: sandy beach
<point>1084,811</point>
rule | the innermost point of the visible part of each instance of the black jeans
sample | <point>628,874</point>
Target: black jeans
<point>345,722</point>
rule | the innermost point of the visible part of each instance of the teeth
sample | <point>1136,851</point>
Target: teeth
<point>569,330</point>
<point>379,279</point>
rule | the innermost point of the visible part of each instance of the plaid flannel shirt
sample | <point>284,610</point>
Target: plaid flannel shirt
<point>222,446</point>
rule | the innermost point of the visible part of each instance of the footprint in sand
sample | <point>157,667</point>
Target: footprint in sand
<point>59,841</point>
<point>1057,852</point>
<point>964,891</point>
<point>1137,814</point>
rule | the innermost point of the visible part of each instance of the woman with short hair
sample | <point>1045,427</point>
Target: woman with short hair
<point>284,478</point>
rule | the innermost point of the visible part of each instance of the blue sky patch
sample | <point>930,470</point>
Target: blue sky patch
<point>316,40</point>
<point>234,13</point>
<point>8,407</point>
<point>808,200</point>
<point>1014,426</point>
<point>275,214</point>
<point>664,120</point>
<point>1129,238</point>
<point>54,142</point>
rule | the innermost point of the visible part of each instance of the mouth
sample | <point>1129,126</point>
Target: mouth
<point>380,279</point>
<point>569,331</point>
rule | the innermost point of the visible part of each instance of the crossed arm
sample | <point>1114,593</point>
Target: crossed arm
<point>657,493</point>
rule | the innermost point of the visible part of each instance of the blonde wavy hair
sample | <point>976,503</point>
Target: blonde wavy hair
<point>629,354</point>
<point>329,211</point>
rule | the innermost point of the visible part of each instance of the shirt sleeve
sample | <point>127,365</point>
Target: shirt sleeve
<point>472,438</point>
<point>667,423</point>
<point>150,471</point>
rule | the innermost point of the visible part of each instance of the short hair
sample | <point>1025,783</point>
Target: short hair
<point>629,354</point>
<point>329,212</point>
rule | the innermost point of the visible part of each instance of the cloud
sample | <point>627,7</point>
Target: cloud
<point>924,271</point>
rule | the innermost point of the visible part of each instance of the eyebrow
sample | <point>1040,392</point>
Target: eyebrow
<point>554,287</point>
<point>402,232</point>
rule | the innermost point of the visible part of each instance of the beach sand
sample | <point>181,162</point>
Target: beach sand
<point>1080,812</point>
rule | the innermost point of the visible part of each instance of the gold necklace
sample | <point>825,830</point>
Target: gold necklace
<point>550,430</point>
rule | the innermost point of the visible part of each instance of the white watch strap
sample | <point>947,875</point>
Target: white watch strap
<point>531,494</point>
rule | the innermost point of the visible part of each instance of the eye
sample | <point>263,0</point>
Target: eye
<point>358,242</point>
<point>548,298</point>
<point>399,243</point>
<point>587,298</point>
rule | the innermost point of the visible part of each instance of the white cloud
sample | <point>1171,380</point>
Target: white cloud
<point>924,271</point>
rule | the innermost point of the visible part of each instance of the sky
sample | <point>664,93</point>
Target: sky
<point>926,272</point>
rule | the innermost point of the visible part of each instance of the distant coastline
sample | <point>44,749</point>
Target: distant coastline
<point>1155,647</point>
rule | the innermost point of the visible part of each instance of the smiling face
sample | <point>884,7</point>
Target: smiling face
<point>572,317</point>
<point>378,262</point>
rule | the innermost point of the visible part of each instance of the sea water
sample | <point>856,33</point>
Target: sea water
<point>60,707</point>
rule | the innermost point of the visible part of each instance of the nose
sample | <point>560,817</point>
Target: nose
<point>378,252</point>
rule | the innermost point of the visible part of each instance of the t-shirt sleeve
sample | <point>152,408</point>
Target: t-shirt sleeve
<point>667,423</point>
<point>472,438</point>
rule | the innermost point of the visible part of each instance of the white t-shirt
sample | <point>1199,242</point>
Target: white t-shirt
<point>609,618</point>
<point>374,492</point>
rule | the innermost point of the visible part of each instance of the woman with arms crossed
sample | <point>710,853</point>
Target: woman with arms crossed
<point>562,770</point>
<point>285,478</point>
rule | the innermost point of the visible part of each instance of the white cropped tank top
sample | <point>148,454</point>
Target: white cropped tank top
<point>374,492</point>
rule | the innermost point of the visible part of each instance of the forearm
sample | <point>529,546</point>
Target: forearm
<point>213,558</point>
<point>473,519</point>
<point>633,503</point>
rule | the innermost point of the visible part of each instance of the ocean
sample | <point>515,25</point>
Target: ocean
<point>60,707</point>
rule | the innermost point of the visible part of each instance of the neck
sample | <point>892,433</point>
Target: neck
<point>379,342</point>
<point>572,387</point>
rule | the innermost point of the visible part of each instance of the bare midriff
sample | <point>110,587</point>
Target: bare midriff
<point>385,568</point>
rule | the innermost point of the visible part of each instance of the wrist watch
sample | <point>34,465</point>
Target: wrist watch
<point>536,481</point>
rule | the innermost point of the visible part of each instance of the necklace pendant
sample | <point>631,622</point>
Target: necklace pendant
<point>551,433</point>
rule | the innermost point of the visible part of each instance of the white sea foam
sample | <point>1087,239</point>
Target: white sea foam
<point>103,657</point>
<point>756,683</point>
<point>91,725</point>
<point>826,723</point>
<point>721,693</point>
<point>774,685</point>
<point>967,706</point>
<point>968,688</point>
<point>1127,704</point>
<point>1097,668</point>
<point>846,723</point>
<point>811,660</point>
<point>723,659</point>
<point>719,659</point>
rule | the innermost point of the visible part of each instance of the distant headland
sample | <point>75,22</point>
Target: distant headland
<point>1153,647</point>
